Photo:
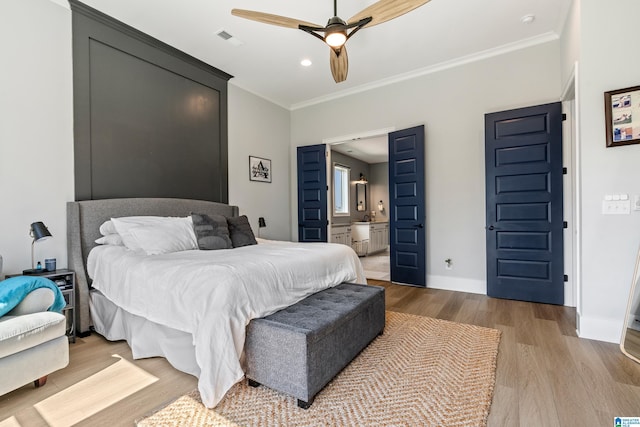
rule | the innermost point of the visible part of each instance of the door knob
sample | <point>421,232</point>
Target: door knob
<point>419,226</point>
<point>491,228</point>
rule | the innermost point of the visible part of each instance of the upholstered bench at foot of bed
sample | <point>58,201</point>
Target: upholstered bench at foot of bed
<point>299,349</point>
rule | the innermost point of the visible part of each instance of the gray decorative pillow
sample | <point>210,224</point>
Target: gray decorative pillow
<point>240,231</point>
<point>211,231</point>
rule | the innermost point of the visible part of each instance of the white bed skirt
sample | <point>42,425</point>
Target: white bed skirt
<point>146,338</point>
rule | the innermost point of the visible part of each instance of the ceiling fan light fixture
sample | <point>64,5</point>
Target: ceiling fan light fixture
<point>336,39</point>
<point>335,33</point>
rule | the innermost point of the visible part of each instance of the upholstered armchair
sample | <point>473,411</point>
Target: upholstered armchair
<point>33,343</point>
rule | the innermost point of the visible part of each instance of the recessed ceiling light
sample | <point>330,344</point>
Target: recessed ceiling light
<point>527,19</point>
<point>306,62</point>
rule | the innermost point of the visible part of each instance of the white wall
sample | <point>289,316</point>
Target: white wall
<point>451,104</point>
<point>36,129</point>
<point>356,167</point>
<point>608,60</point>
<point>36,137</point>
<point>259,128</point>
<point>570,41</point>
<point>379,189</point>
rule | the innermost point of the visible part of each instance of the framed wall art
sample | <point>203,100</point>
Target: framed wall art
<point>622,115</point>
<point>259,169</point>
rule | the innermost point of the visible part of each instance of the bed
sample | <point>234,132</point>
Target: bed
<point>191,307</point>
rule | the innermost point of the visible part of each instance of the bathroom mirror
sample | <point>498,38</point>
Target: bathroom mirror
<point>630,341</point>
<point>361,197</point>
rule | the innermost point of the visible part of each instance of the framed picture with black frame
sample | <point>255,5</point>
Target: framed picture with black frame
<point>622,115</point>
<point>259,169</point>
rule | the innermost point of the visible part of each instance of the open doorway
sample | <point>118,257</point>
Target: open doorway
<point>367,223</point>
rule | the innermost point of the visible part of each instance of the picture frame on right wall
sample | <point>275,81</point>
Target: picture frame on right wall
<point>622,115</point>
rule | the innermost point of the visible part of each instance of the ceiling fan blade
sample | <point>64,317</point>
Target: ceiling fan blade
<point>268,18</point>
<point>385,10</point>
<point>339,64</point>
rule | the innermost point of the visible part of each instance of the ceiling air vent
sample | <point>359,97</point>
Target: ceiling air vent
<point>224,35</point>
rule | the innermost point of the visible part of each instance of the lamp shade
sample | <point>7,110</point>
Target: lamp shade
<point>39,231</point>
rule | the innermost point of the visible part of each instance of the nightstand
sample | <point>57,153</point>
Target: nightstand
<point>66,282</point>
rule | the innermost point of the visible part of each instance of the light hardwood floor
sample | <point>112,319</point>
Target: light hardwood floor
<point>546,376</point>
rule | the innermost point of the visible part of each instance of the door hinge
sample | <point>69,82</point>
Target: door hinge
<point>564,224</point>
<point>566,278</point>
<point>564,117</point>
<point>327,188</point>
<point>564,171</point>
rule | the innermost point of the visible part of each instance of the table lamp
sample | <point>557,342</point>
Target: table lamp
<point>38,232</point>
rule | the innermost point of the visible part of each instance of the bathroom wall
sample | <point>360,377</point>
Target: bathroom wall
<point>357,167</point>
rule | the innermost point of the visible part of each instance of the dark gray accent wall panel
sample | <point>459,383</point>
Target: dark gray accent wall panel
<point>150,121</point>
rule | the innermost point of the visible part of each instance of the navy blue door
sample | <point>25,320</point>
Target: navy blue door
<point>312,194</point>
<point>523,160</point>
<point>406,211</point>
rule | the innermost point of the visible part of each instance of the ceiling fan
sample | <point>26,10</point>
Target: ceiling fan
<point>337,31</point>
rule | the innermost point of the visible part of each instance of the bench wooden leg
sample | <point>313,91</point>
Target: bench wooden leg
<point>40,381</point>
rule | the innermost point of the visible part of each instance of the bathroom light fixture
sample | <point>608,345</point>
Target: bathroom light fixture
<point>362,179</point>
<point>38,232</point>
<point>381,206</point>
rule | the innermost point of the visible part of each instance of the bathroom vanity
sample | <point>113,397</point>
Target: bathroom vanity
<point>369,237</point>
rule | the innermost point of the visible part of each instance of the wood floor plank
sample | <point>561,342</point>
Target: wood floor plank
<point>524,322</point>
<point>564,379</point>
<point>504,311</point>
<point>621,368</point>
<point>507,372</point>
<point>452,306</point>
<point>504,408</point>
<point>467,311</point>
<point>607,399</point>
<point>536,404</point>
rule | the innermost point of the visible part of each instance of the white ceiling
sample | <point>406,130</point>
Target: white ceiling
<point>439,34</point>
<point>369,150</point>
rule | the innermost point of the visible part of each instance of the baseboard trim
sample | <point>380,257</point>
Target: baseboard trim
<point>459,284</point>
<point>600,329</point>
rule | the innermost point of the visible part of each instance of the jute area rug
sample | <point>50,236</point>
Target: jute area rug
<point>420,372</point>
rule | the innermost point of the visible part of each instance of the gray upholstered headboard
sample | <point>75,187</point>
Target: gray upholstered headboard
<point>85,217</point>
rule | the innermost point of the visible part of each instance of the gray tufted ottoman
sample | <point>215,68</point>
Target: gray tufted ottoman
<point>299,349</point>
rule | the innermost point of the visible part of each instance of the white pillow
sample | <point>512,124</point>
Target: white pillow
<point>107,228</point>
<point>110,239</point>
<point>123,225</point>
<point>156,235</point>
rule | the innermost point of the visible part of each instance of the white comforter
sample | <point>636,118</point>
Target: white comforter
<point>214,294</point>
